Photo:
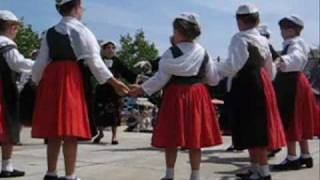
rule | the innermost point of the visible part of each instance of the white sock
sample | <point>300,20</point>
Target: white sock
<point>7,165</point>
<point>72,177</point>
<point>292,158</point>
<point>264,170</point>
<point>195,175</point>
<point>169,173</point>
<point>305,156</point>
<point>51,174</point>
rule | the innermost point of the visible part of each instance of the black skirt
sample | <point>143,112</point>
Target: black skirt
<point>106,106</point>
<point>26,103</point>
<point>247,113</point>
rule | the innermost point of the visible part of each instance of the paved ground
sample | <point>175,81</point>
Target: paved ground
<point>134,159</point>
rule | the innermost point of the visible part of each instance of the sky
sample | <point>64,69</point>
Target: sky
<point>108,19</point>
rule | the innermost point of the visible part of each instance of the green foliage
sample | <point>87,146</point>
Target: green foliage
<point>135,49</point>
<point>27,40</point>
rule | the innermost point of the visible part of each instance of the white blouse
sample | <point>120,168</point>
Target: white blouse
<point>238,54</point>
<point>84,45</point>
<point>14,58</point>
<point>186,65</point>
<point>297,55</point>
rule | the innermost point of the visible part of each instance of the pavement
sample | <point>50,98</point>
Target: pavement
<point>135,159</point>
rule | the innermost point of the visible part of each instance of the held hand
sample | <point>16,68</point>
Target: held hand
<point>280,64</point>
<point>119,87</point>
<point>135,90</point>
<point>277,63</point>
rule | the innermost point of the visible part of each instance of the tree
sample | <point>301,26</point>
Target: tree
<point>135,49</point>
<point>27,40</point>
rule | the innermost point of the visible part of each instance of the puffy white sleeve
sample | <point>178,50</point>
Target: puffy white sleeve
<point>86,48</point>
<point>237,57</point>
<point>294,60</point>
<point>212,76</point>
<point>17,62</point>
<point>160,78</point>
<point>156,82</point>
<point>42,61</point>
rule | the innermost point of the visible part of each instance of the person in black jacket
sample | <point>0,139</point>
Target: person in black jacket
<point>106,100</point>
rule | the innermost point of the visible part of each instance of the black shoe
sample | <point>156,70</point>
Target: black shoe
<point>259,178</point>
<point>98,138</point>
<point>273,153</point>
<point>114,142</point>
<point>289,165</point>
<point>46,177</point>
<point>14,173</point>
<point>242,175</point>
<point>166,179</point>
<point>266,178</point>
<point>230,149</point>
<point>63,178</point>
<point>308,162</point>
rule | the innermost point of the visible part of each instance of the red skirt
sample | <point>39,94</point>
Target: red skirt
<point>61,109</point>
<point>186,119</point>
<point>3,128</point>
<point>305,123</point>
<point>276,134</point>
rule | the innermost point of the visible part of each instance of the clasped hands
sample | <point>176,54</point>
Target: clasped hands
<point>123,90</point>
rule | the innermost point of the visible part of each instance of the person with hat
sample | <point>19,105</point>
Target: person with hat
<point>296,100</point>
<point>256,123</point>
<point>186,118</point>
<point>11,63</point>
<point>106,100</point>
<point>69,51</point>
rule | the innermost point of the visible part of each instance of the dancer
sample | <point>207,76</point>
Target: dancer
<point>61,110</point>
<point>11,62</point>
<point>252,104</point>
<point>186,118</point>
<point>297,103</point>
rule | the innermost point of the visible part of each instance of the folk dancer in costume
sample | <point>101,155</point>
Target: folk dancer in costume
<point>187,118</point>
<point>256,123</point>
<point>11,62</point>
<point>296,100</point>
<point>61,112</point>
<point>106,100</point>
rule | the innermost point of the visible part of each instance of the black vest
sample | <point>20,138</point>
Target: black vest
<point>59,46</point>
<point>286,88</point>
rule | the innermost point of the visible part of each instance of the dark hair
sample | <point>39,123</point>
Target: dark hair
<point>287,24</point>
<point>108,43</point>
<point>66,8</point>
<point>4,25</point>
<point>188,29</point>
<point>249,19</point>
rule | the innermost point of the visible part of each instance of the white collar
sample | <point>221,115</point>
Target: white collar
<point>71,20</point>
<point>4,40</point>
<point>290,40</point>
<point>253,31</point>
